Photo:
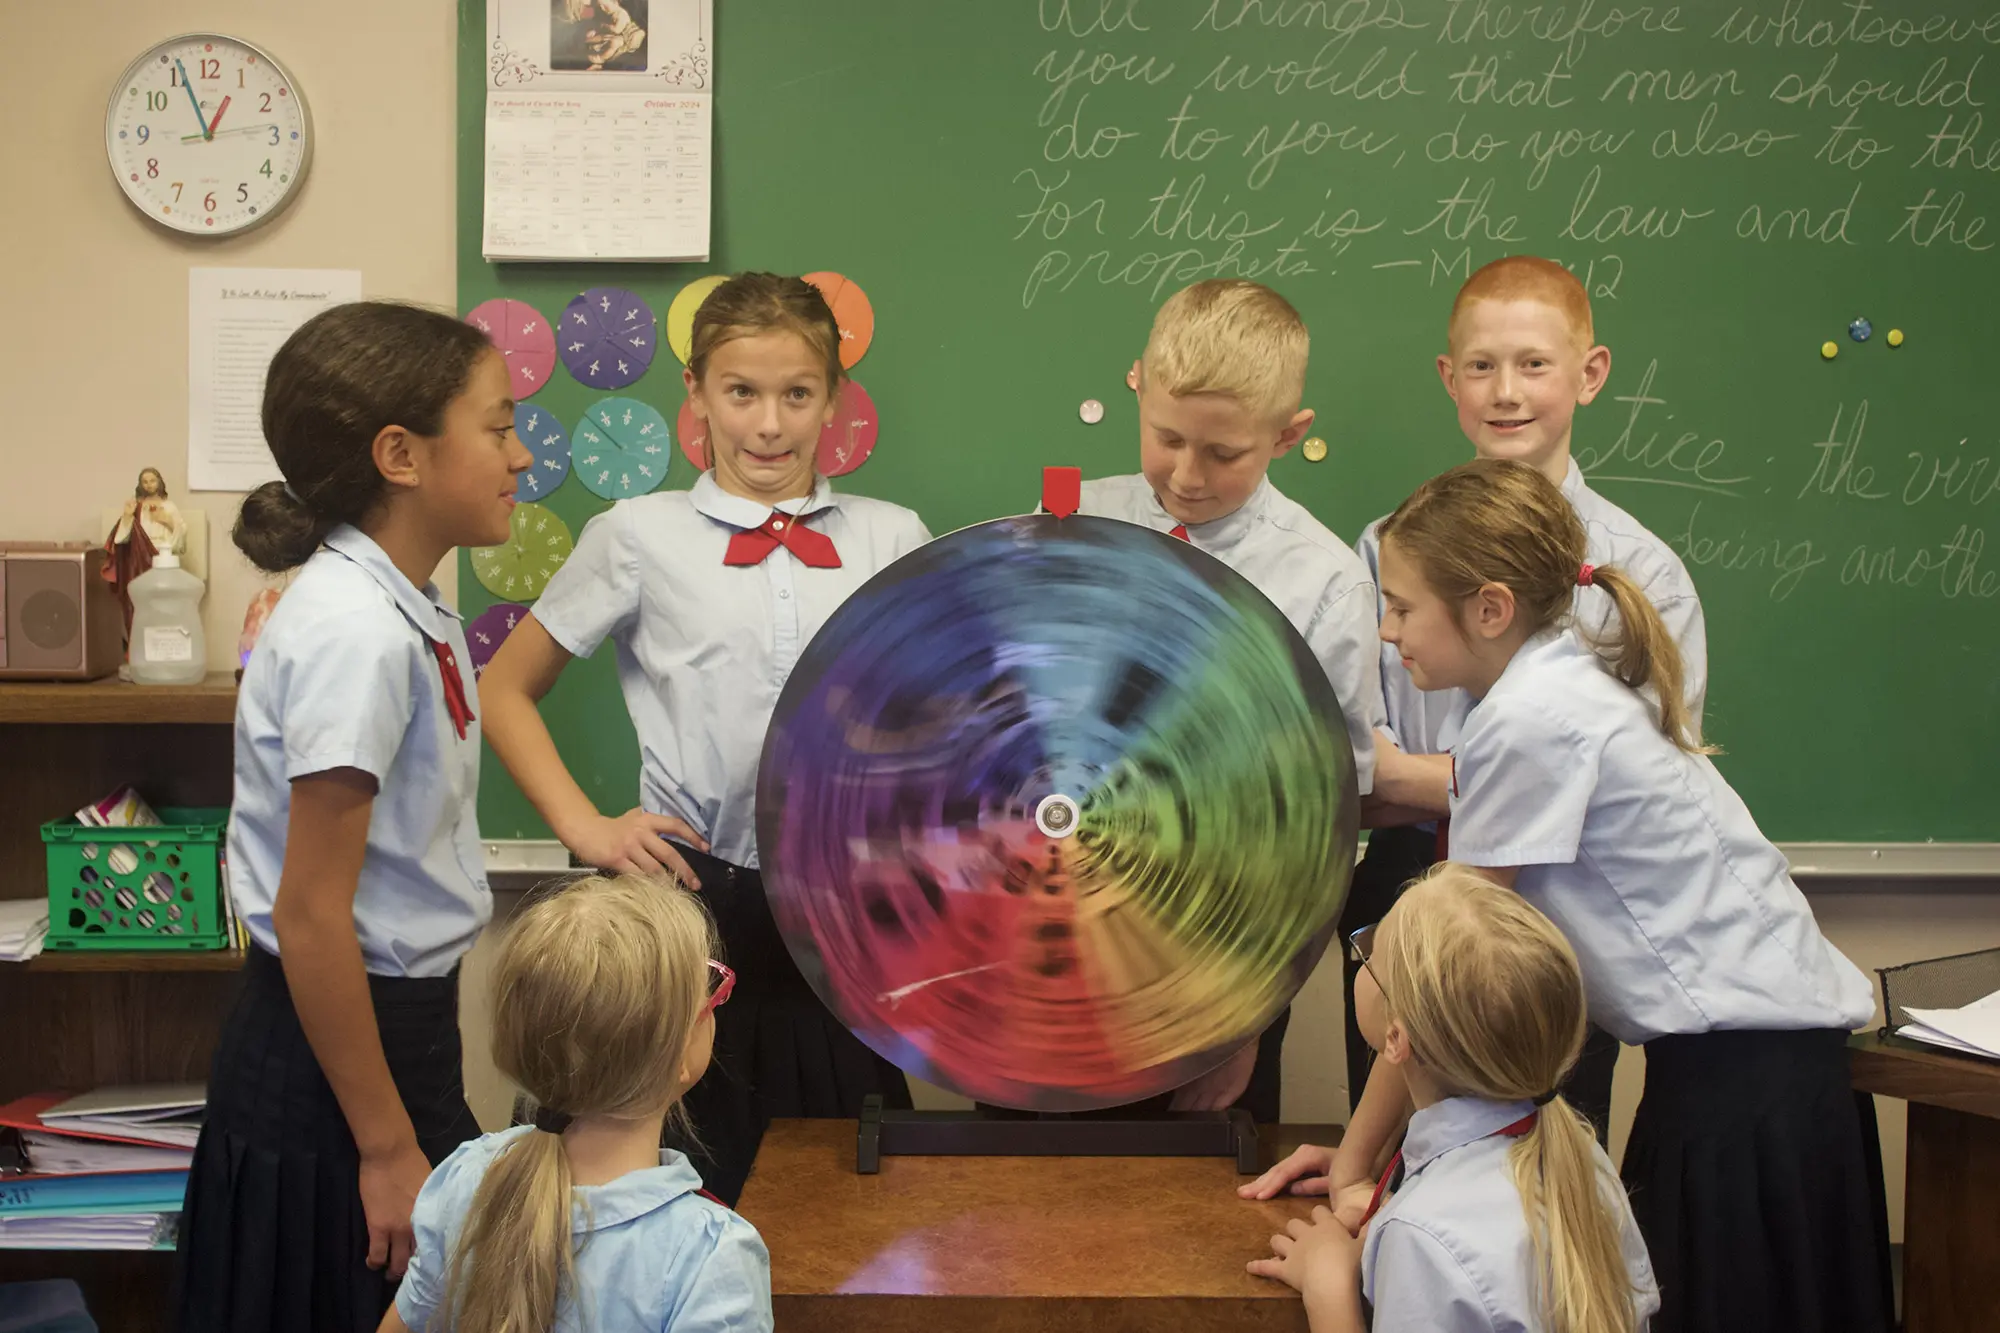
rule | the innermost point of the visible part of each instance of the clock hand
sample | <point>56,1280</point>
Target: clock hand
<point>218,117</point>
<point>199,118</point>
<point>223,134</point>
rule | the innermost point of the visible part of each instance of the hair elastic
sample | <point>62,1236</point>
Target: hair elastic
<point>552,1121</point>
<point>1584,576</point>
<point>1552,1093</point>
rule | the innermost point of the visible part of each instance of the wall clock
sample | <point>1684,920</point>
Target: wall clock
<point>208,135</point>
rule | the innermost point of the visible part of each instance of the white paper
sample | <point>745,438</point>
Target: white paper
<point>23,924</point>
<point>54,1154</point>
<point>1974,1028</point>
<point>598,129</point>
<point>237,320</point>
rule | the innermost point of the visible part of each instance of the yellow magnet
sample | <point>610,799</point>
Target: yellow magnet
<point>1314,449</point>
<point>1829,349</point>
<point>1895,337</point>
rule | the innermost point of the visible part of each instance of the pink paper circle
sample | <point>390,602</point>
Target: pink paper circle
<point>849,438</point>
<point>692,432</point>
<point>523,337</point>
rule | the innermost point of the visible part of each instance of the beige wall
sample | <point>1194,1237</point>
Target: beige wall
<point>95,372</point>
<point>96,369</point>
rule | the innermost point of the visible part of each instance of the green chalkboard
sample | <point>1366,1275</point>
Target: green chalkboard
<point>1018,183</point>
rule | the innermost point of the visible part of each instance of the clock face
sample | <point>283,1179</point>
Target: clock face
<point>208,135</point>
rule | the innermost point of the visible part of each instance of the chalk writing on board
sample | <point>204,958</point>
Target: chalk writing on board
<point>1931,475</point>
<point>1950,567</point>
<point>1936,218</point>
<point>1828,226</point>
<point>1788,559</point>
<point>1591,221</point>
<point>1650,451</point>
<point>1050,217</point>
<point>1838,470</point>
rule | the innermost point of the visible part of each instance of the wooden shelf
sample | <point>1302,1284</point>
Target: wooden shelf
<point>113,700</point>
<point>112,960</point>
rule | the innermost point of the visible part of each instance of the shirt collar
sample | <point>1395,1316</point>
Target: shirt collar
<point>710,500</point>
<point>1218,534</point>
<point>1573,483</point>
<point>633,1194</point>
<point>1453,1123</point>
<point>420,605</point>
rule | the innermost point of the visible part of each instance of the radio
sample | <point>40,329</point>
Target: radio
<point>62,621</point>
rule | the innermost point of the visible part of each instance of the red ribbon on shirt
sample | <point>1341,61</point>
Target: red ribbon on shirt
<point>1389,1177</point>
<point>814,549</point>
<point>454,686</point>
<point>1180,530</point>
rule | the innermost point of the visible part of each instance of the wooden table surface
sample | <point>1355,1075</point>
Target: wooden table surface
<point>1893,1067</point>
<point>969,1244</point>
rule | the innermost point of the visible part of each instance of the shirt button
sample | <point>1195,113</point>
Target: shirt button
<point>784,592</point>
<point>777,525</point>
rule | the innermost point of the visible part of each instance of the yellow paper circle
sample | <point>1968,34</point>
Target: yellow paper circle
<point>680,315</point>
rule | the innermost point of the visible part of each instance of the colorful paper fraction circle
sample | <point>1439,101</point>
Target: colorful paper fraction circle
<point>608,337</point>
<point>844,443</point>
<point>523,337</point>
<point>622,448</point>
<point>519,568</point>
<point>488,630</point>
<point>680,313</point>
<point>851,311</point>
<point>545,438</point>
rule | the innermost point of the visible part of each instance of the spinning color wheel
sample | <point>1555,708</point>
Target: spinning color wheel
<point>1057,813</point>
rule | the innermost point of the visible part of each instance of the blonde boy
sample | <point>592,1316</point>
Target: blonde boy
<point>1219,389</point>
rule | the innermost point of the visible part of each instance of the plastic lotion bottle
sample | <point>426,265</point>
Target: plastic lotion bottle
<point>167,643</point>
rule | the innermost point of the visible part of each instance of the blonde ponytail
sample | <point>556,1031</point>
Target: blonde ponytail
<point>1578,1260</point>
<point>1497,521</point>
<point>513,1260</point>
<point>1644,655</point>
<point>598,990</point>
<point>1491,996</point>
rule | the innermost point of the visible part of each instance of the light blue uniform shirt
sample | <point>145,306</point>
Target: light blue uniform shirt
<point>1310,575</point>
<point>705,648</point>
<point>1683,915</point>
<point>344,676</point>
<point>651,1253</point>
<point>1422,721</point>
<point>1451,1252</point>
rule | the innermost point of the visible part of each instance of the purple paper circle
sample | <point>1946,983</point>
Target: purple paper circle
<point>488,630</point>
<point>607,337</point>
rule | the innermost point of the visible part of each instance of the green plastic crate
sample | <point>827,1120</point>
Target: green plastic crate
<point>155,887</point>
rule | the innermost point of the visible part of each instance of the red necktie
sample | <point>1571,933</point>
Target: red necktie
<point>1392,1177</point>
<point>454,686</point>
<point>1180,530</point>
<point>814,549</point>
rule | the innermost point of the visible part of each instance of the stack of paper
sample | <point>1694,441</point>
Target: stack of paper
<point>104,1171</point>
<point>23,923</point>
<point>164,1113</point>
<point>1973,1029</point>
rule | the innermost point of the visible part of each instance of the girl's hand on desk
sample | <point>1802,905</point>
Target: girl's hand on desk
<point>389,1185</point>
<point>1304,1172</point>
<point>1313,1256</point>
<point>635,843</point>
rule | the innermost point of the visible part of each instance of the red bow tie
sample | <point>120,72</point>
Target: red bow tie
<point>454,687</point>
<point>1180,530</point>
<point>814,549</point>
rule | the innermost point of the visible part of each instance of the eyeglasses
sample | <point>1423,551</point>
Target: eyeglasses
<point>721,981</point>
<point>1360,945</point>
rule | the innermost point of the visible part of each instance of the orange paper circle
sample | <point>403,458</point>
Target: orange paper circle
<point>851,310</point>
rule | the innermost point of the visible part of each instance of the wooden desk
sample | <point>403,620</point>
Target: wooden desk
<point>984,1244</point>
<point>1951,1190</point>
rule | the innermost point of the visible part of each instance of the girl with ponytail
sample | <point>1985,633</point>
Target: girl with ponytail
<point>1579,779</point>
<point>354,855</point>
<point>604,1000</point>
<point>1501,1213</point>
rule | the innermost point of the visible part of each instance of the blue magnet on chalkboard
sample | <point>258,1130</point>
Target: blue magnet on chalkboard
<point>1859,330</point>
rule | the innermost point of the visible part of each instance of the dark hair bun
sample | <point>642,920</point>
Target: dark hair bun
<point>276,530</point>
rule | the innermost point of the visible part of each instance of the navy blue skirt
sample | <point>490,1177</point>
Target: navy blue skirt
<point>1756,1179</point>
<point>779,1051</point>
<point>273,1237</point>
